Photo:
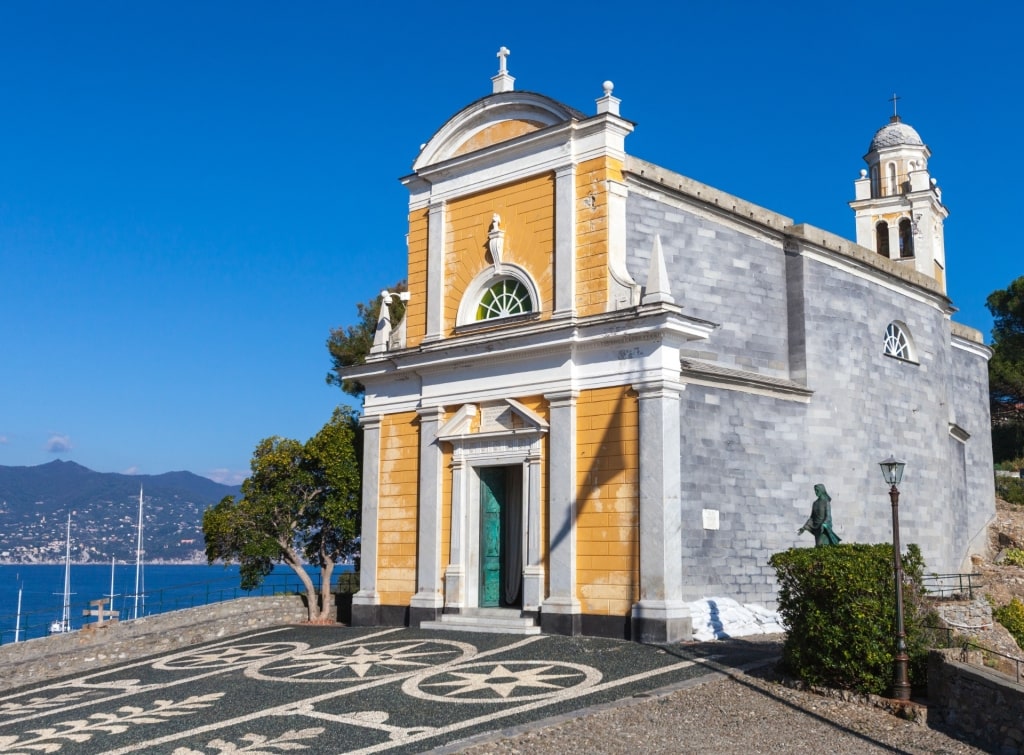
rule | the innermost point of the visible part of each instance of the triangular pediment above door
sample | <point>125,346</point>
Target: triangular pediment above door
<point>501,417</point>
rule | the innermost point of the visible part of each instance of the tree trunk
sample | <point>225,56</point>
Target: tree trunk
<point>292,559</point>
<point>326,596</point>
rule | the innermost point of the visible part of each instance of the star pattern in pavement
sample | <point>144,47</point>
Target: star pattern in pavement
<point>504,682</point>
<point>374,659</point>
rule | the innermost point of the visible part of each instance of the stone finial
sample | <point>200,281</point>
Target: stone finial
<point>658,290</point>
<point>608,103</point>
<point>502,82</point>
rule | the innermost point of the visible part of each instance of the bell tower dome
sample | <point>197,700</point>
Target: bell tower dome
<point>898,205</point>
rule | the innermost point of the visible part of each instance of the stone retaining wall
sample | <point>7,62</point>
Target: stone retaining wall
<point>965,616</point>
<point>981,705</point>
<point>94,646</point>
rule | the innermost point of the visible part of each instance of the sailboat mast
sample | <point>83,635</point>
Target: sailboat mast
<point>138,558</point>
<point>17,621</point>
<point>111,596</point>
<point>66,616</point>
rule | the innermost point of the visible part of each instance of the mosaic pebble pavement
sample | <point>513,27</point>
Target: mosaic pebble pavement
<point>301,689</point>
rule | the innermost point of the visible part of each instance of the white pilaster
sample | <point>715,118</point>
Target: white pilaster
<point>661,615</point>
<point>436,219</point>
<point>565,241</point>
<point>428,601</point>
<point>533,568</point>
<point>561,610</point>
<point>368,597</point>
<point>455,574</point>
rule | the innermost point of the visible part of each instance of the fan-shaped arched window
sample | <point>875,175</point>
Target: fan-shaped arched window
<point>506,292</point>
<point>898,343</point>
<point>882,238</point>
<point>504,298</point>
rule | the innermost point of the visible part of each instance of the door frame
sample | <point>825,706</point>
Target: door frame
<point>499,442</point>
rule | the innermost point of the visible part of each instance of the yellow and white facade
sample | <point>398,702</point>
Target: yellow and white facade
<point>526,348</point>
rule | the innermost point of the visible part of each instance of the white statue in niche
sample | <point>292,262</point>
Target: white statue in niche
<point>496,240</point>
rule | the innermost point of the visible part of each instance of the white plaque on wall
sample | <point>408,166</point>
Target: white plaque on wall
<point>710,519</point>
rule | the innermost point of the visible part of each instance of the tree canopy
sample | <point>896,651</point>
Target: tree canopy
<point>301,504</point>
<point>1006,371</point>
<point>349,345</point>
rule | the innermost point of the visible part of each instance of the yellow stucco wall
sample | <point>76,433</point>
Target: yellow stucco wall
<point>592,233</point>
<point>396,512</point>
<point>608,495</point>
<point>499,132</point>
<point>527,210</point>
<point>416,312</point>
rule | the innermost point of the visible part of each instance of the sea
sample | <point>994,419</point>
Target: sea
<point>162,587</point>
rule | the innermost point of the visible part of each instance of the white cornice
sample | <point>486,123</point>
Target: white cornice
<point>971,347</point>
<point>863,263</point>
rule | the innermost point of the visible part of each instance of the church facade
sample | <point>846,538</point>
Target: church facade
<point>614,388</point>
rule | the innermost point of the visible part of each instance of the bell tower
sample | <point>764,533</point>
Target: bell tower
<point>898,205</point>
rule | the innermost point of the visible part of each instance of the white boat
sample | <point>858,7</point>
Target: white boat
<point>63,625</point>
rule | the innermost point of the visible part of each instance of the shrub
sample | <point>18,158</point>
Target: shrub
<point>1013,557</point>
<point>1011,616</point>
<point>839,608</point>
<point>1011,490</point>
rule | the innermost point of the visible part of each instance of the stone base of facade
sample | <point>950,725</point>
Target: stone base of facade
<point>419,614</point>
<point>379,616</point>
<point>569,624</point>
<point>614,627</point>
<point>659,631</point>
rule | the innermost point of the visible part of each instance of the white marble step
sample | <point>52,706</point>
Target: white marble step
<point>495,621</point>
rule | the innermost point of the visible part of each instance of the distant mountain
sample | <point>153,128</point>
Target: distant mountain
<point>35,503</point>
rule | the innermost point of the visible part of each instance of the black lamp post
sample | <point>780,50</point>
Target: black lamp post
<point>892,471</point>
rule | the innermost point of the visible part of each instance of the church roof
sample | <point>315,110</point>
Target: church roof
<point>895,133</point>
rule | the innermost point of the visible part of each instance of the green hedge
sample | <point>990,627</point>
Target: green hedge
<point>1011,490</point>
<point>838,605</point>
<point>1011,616</point>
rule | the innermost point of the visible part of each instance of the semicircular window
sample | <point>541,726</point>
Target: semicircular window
<point>897,344</point>
<point>505,298</point>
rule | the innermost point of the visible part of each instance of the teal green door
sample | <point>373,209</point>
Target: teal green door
<point>492,495</point>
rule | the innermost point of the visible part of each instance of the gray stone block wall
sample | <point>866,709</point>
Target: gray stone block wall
<point>969,399</point>
<point>755,458</point>
<point>741,455</point>
<point>867,405</point>
<point>717,273</point>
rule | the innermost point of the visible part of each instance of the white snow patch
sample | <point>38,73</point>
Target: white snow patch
<point>722,618</point>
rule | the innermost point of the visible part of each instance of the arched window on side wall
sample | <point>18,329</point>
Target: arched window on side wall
<point>906,238</point>
<point>898,343</point>
<point>882,238</point>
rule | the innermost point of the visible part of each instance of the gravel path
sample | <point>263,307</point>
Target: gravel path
<point>734,713</point>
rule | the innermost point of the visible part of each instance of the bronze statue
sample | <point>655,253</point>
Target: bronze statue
<point>819,523</point>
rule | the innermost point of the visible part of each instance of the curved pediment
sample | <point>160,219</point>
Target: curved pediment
<point>491,120</point>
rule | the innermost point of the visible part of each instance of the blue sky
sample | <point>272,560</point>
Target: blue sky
<point>193,194</point>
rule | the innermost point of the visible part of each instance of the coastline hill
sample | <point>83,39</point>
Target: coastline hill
<point>35,503</point>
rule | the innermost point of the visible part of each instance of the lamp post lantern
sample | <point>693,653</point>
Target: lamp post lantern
<point>892,471</point>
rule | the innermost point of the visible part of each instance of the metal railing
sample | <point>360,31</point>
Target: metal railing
<point>159,600</point>
<point>988,656</point>
<point>988,662</point>
<point>951,585</point>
